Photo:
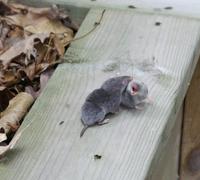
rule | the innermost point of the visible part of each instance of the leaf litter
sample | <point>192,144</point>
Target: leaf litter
<point>32,42</point>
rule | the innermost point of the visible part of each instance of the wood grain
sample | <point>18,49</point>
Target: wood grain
<point>167,164</point>
<point>191,130</point>
<point>163,57</point>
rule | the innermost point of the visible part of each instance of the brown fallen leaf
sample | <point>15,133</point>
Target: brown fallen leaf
<point>59,45</point>
<point>64,34</point>
<point>31,56</point>
<point>24,55</point>
<point>52,13</point>
<point>32,41</point>
<point>17,108</point>
<point>3,136</point>
<point>40,20</point>
<point>25,46</point>
<point>10,34</point>
<point>14,35</point>
<point>4,30</point>
<point>5,97</point>
<point>5,9</point>
<point>44,25</point>
<point>9,78</point>
<point>4,149</point>
<point>44,77</point>
<point>43,20</point>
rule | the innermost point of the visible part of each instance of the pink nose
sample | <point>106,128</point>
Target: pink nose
<point>148,100</point>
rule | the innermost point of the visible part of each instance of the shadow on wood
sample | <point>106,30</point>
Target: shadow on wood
<point>190,151</point>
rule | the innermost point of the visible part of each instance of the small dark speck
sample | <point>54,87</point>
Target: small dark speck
<point>96,157</point>
<point>168,8</point>
<point>131,7</point>
<point>96,23</point>
<point>61,122</point>
<point>93,0</point>
<point>158,23</point>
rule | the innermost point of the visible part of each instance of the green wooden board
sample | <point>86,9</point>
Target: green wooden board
<point>128,43</point>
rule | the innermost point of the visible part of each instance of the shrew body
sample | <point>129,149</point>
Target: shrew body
<point>108,98</point>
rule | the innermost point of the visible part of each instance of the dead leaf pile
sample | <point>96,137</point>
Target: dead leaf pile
<point>32,42</point>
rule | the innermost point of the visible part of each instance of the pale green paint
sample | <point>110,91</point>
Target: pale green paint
<point>128,144</point>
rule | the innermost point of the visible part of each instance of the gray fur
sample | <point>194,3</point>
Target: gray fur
<point>107,99</point>
<point>102,101</point>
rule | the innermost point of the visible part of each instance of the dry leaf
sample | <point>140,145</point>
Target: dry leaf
<point>56,27</point>
<point>32,40</point>
<point>17,108</point>
<point>5,97</point>
<point>9,78</point>
<point>47,26</point>
<point>4,30</point>
<point>44,77</point>
<point>5,9</point>
<point>4,149</point>
<point>25,46</point>
<point>39,20</point>
<point>31,56</point>
<point>14,35</point>
<point>3,136</point>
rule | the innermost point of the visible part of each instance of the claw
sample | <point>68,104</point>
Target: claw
<point>106,121</point>
<point>139,108</point>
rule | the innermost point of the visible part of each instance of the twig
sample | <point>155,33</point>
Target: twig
<point>96,24</point>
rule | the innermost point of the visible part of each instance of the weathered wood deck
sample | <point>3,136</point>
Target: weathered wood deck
<point>132,143</point>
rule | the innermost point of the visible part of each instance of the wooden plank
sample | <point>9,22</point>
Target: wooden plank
<point>191,128</point>
<point>179,7</point>
<point>162,56</point>
<point>166,164</point>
